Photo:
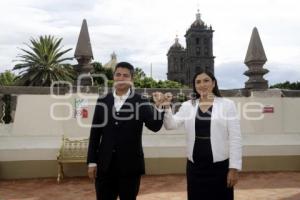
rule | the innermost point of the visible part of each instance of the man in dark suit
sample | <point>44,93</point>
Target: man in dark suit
<point>115,153</point>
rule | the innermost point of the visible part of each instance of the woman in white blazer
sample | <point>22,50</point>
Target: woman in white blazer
<point>213,140</point>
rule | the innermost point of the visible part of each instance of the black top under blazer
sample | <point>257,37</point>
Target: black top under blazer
<point>121,133</point>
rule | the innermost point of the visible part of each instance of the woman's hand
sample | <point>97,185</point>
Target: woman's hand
<point>232,177</point>
<point>167,99</point>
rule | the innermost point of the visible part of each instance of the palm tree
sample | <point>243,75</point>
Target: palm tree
<point>43,63</point>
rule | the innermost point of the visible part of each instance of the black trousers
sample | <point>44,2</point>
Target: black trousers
<point>111,185</point>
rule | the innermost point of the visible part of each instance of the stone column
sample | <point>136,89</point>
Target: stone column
<point>84,55</point>
<point>255,59</point>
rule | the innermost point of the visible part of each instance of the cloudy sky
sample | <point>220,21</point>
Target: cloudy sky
<point>141,31</point>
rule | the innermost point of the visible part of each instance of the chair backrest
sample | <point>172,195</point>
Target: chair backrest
<point>73,149</point>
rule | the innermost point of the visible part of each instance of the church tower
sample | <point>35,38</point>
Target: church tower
<point>199,48</point>
<point>176,62</point>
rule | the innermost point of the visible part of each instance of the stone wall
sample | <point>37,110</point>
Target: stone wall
<point>15,91</point>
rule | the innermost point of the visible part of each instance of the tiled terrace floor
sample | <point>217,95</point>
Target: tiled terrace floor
<point>252,186</point>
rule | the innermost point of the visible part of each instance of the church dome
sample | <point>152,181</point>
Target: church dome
<point>176,46</point>
<point>112,63</point>
<point>198,23</point>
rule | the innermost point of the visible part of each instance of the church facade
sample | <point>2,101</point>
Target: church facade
<point>183,63</point>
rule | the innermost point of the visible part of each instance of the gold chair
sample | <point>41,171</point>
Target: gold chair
<point>71,151</point>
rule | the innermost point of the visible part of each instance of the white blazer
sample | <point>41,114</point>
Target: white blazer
<point>225,129</point>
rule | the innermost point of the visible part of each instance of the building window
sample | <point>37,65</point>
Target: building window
<point>198,51</point>
<point>206,51</point>
<point>197,41</point>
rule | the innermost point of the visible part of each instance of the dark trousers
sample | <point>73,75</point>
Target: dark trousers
<point>111,185</point>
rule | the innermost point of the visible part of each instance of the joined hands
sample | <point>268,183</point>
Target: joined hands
<point>162,100</point>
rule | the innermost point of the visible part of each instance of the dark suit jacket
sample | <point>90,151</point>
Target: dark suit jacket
<point>121,133</point>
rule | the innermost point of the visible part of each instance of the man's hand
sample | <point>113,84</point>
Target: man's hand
<point>92,173</point>
<point>232,177</point>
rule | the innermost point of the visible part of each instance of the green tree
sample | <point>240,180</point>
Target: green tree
<point>169,84</point>
<point>287,85</point>
<point>147,82</point>
<point>141,81</point>
<point>43,63</point>
<point>99,69</point>
<point>139,73</point>
<point>7,78</point>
